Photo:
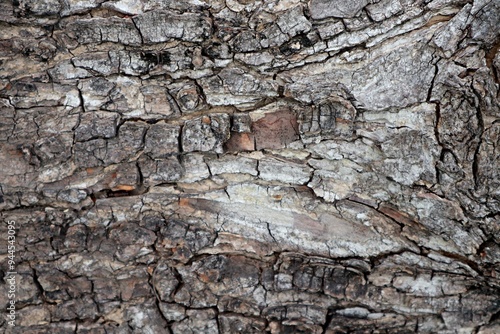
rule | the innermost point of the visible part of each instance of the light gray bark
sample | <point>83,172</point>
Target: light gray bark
<point>283,166</point>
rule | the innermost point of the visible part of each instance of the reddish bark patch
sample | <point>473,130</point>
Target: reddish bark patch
<point>398,216</point>
<point>276,130</point>
<point>240,142</point>
<point>123,187</point>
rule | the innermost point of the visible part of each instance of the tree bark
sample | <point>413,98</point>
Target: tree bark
<point>238,166</point>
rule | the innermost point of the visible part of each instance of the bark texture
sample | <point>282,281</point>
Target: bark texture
<point>269,166</point>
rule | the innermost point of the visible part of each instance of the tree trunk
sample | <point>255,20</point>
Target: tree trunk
<point>271,166</point>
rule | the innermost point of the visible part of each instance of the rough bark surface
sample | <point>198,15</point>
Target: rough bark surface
<point>278,166</point>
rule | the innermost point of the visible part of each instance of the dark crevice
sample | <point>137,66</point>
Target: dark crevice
<point>270,233</point>
<point>431,86</point>
<point>40,288</point>
<point>108,193</point>
<point>180,282</point>
<point>329,318</point>
<point>480,121</point>
<point>481,250</point>
<point>494,317</point>
<point>138,30</point>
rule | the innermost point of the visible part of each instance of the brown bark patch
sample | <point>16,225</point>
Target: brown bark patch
<point>276,130</point>
<point>240,142</point>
